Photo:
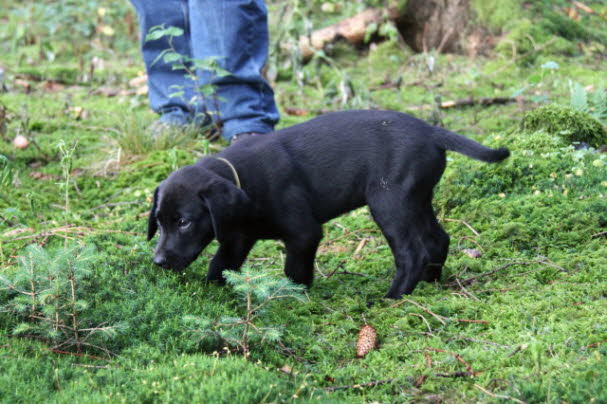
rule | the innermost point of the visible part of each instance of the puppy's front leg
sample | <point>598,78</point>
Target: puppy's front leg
<point>230,255</point>
<point>301,251</point>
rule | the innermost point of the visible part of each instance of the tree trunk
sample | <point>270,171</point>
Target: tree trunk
<point>434,24</point>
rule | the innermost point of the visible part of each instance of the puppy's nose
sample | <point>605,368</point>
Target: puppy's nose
<point>160,260</point>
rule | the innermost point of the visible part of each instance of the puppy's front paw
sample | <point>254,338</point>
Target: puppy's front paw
<point>216,278</point>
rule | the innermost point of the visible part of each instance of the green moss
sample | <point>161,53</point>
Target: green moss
<point>496,14</point>
<point>542,332</point>
<point>572,125</point>
<point>526,40</point>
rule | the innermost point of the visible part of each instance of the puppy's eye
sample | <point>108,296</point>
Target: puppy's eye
<point>183,223</point>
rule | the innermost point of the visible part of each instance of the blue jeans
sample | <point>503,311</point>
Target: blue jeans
<point>233,31</point>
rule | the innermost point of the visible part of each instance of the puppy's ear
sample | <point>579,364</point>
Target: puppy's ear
<point>227,204</point>
<point>152,222</point>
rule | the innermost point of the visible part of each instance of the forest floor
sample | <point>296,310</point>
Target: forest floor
<point>518,315</point>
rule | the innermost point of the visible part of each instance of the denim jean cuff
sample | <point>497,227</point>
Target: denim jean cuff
<point>232,128</point>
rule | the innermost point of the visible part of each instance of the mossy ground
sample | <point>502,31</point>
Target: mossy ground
<point>528,316</point>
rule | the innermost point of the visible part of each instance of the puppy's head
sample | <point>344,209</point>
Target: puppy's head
<point>190,208</point>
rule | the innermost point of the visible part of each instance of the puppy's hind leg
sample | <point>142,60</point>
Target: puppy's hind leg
<point>437,246</point>
<point>301,251</point>
<point>398,216</point>
<point>230,255</point>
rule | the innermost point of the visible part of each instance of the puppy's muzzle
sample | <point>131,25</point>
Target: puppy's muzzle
<point>161,260</point>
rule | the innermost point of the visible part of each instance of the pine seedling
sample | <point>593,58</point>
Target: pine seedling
<point>67,158</point>
<point>257,289</point>
<point>205,94</point>
<point>45,294</point>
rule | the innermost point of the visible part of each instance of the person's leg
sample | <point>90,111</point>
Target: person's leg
<point>235,32</point>
<point>162,79</point>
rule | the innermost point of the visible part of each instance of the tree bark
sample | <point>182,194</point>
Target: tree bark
<point>434,24</point>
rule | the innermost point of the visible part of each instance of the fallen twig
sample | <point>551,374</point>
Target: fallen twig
<point>424,320</point>
<point>441,319</point>
<point>446,219</point>
<point>595,344</point>
<point>359,386</point>
<point>587,9</point>
<point>477,341</point>
<point>57,351</point>
<point>466,292</point>
<point>504,397</point>
<point>473,279</point>
<point>420,380</point>
<point>469,369</point>
<point>464,320</point>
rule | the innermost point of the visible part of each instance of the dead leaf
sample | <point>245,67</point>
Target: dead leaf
<point>52,86</point>
<point>296,111</point>
<point>77,113</point>
<point>142,90</point>
<point>37,175</point>
<point>26,85</point>
<point>138,81</point>
<point>106,91</point>
<point>472,252</point>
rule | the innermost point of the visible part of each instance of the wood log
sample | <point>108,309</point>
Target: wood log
<point>353,30</point>
<point>423,24</point>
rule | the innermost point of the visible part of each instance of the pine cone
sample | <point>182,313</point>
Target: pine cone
<point>367,341</point>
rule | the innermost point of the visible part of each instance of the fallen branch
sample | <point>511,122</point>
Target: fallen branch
<point>466,102</point>
<point>353,30</point>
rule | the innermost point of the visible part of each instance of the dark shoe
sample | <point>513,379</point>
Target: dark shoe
<point>160,130</point>
<point>244,135</point>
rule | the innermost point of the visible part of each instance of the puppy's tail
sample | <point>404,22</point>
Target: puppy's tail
<point>448,140</point>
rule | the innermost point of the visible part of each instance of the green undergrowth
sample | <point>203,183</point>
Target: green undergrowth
<point>519,311</point>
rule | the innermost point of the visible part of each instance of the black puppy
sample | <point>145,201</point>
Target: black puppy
<point>287,184</point>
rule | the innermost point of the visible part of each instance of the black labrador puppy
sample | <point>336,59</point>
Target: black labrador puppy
<point>285,185</point>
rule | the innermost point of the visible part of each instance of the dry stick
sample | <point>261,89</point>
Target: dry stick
<point>464,320</point>
<point>597,235</point>
<point>480,341</point>
<point>420,380</point>
<point>57,351</point>
<point>464,223</point>
<point>469,281</point>
<point>498,290</point>
<point>595,344</point>
<point>349,234</point>
<point>587,9</point>
<point>469,369</point>
<point>469,238</point>
<point>466,292</point>
<point>441,319</point>
<point>360,246</point>
<point>455,374</point>
<point>484,390</point>
<point>424,320</point>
